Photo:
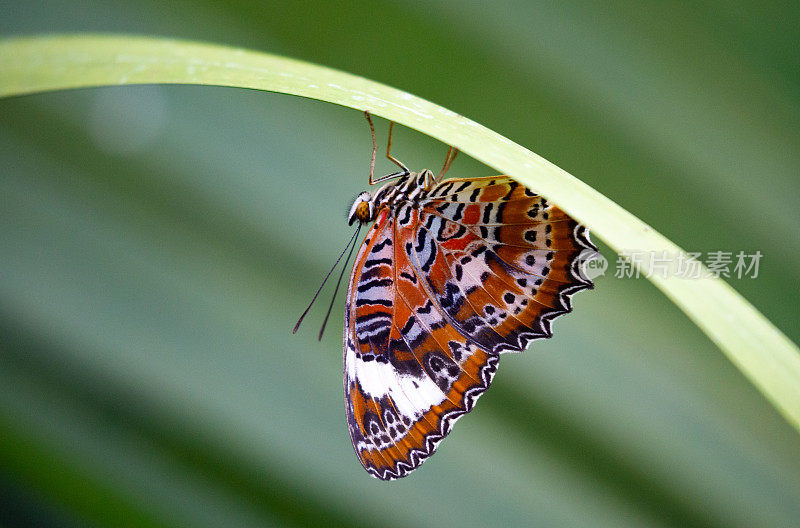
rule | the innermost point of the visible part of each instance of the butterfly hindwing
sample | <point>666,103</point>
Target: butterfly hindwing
<point>408,373</point>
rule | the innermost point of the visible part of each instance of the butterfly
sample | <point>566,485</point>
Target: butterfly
<point>451,274</point>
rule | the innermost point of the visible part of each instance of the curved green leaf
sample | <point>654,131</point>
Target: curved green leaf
<point>37,64</point>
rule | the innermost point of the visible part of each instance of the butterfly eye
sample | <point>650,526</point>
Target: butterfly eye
<point>362,210</point>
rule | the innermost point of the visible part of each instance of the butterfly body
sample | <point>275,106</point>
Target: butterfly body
<point>450,275</point>
<point>408,188</point>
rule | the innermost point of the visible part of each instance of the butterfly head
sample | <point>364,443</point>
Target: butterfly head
<point>363,209</point>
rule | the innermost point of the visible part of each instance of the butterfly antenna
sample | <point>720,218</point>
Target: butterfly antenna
<point>338,283</point>
<point>326,279</point>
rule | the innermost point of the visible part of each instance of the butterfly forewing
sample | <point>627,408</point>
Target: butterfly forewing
<point>441,286</point>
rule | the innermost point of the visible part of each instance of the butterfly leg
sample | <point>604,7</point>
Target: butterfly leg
<point>448,160</point>
<point>374,148</point>
<point>372,179</point>
<point>389,148</point>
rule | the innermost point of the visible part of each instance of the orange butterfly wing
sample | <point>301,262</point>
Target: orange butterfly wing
<point>439,289</point>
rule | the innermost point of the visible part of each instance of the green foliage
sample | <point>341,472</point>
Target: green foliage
<point>149,286</point>
<point>32,65</point>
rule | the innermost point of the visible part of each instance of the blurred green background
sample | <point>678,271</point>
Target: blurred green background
<point>158,243</point>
